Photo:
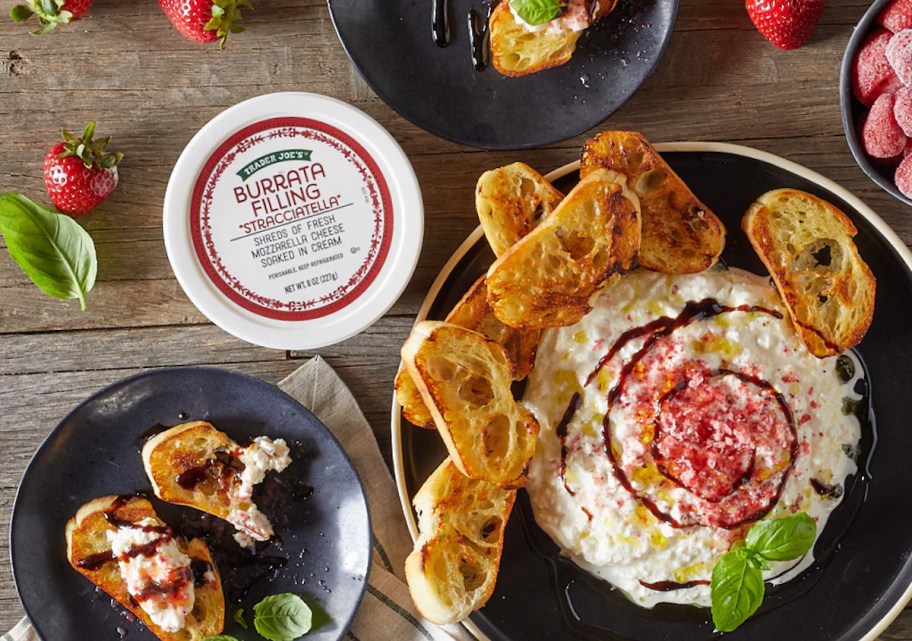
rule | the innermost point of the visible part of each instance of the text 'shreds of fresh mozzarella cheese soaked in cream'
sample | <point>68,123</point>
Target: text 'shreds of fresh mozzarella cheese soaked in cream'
<point>716,415</point>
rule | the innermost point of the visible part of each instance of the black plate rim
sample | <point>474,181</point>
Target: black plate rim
<point>530,144</point>
<point>33,463</point>
<point>477,235</point>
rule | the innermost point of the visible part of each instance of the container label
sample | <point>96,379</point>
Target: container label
<point>291,219</point>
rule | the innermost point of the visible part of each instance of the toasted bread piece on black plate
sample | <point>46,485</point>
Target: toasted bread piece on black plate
<point>806,244</point>
<point>453,568</point>
<point>680,234</point>
<point>550,277</point>
<point>465,380</point>
<point>89,551</point>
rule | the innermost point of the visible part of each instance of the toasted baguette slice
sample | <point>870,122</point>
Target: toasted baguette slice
<point>472,312</point>
<point>211,461</point>
<point>413,407</point>
<point>453,568</point>
<point>806,244</point>
<point>464,380</point>
<point>86,536</point>
<point>517,50</point>
<point>551,277</point>
<point>511,201</point>
<point>680,234</point>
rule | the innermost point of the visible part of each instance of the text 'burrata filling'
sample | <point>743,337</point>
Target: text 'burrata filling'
<point>677,413</point>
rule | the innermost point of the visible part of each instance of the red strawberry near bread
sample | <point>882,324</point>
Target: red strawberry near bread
<point>50,13</point>
<point>788,24</point>
<point>205,20</point>
<point>79,173</point>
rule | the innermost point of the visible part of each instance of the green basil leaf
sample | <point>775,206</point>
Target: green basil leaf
<point>537,11</point>
<point>282,617</point>
<point>52,249</point>
<point>736,590</point>
<point>221,637</point>
<point>782,539</point>
<point>238,617</point>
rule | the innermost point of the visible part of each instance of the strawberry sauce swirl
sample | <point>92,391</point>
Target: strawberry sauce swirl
<point>710,446</point>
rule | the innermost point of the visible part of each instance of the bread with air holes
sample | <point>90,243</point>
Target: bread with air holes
<point>511,201</point>
<point>453,568</point>
<point>464,379</point>
<point>550,277</point>
<point>86,535</point>
<point>517,50</point>
<point>806,244</point>
<point>472,312</point>
<point>681,235</point>
<point>199,446</point>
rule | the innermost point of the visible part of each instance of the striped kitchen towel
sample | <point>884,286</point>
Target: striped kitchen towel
<point>387,611</point>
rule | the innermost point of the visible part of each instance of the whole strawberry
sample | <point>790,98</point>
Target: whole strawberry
<point>79,173</point>
<point>205,20</point>
<point>50,12</point>
<point>788,24</point>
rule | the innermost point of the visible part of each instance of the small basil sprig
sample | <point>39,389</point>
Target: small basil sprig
<point>238,617</point>
<point>282,617</point>
<point>737,581</point>
<point>536,12</point>
<point>52,249</point>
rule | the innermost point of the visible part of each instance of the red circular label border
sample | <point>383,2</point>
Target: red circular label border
<point>380,246</point>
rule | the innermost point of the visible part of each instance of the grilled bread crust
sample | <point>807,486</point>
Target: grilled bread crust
<point>550,277</point>
<point>472,312</point>
<point>517,50</point>
<point>806,244</point>
<point>680,234</point>
<point>86,535</point>
<point>453,567</point>
<point>464,379</point>
<point>511,201</point>
<point>187,447</point>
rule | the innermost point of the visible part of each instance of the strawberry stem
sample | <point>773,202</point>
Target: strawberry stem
<point>50,13</point>
<point>225,15</point>
<point>90,151</point>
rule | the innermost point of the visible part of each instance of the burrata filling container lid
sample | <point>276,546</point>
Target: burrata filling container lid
<point>293,220</point>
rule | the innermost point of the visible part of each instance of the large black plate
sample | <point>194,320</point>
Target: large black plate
<point>865,571</point>
<point>325,537</point>
<point>390,42</point>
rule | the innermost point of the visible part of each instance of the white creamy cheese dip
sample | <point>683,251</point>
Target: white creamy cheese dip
<point>160,580</point>
<point>262,455</point>
<point>718,416</point>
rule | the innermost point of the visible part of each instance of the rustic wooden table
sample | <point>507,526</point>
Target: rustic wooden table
<point>152,90</point>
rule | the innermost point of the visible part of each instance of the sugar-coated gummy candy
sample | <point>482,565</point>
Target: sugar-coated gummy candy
<point>881,134</point>
<point>899,55</point>
<point>872,73</point>
<point>902,109</point>
<point>903,176</point>
<point>897,16</point>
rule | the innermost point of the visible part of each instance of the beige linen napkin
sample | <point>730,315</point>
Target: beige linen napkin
<point>387,611</point>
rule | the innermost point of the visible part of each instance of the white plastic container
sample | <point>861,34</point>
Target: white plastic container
<point>293,220</point>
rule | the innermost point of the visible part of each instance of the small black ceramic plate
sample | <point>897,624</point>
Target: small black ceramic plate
<point>863,576</point>
<point>391,44</point>
<point>322,548</point>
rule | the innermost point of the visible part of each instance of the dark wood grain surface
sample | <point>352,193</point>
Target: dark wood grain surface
<point>126,67</point>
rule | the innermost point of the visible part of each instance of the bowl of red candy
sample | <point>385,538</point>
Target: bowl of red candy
<point>876,95</point>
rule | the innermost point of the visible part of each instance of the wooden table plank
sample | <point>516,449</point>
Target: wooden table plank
<point>719,80</point>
